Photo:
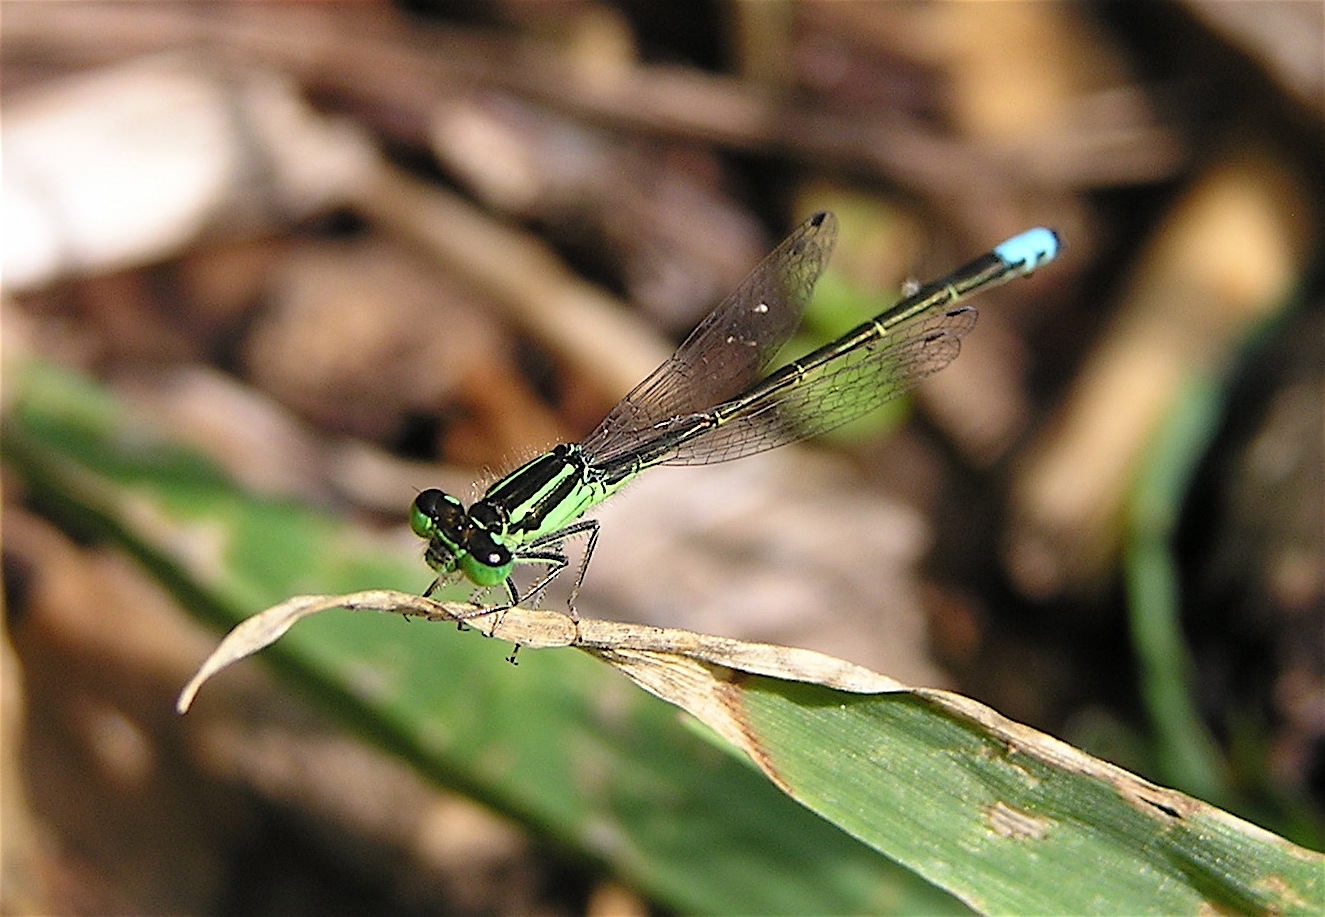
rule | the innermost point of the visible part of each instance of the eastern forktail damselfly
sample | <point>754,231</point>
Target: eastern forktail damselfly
<point>711,402</point>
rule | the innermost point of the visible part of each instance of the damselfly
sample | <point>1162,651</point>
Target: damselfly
<point>711,402</point>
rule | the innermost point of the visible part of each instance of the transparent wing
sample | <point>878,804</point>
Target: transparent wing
<point>729,350</point>
<point>819,393</point>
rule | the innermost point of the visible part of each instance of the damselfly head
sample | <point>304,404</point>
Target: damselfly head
<point>472,540</point>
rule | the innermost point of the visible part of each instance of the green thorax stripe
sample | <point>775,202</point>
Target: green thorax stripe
<point>549,493</point>
<point>538,487</point>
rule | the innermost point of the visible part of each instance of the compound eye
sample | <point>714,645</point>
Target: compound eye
<point>488,551</point>
<point>436,513</point>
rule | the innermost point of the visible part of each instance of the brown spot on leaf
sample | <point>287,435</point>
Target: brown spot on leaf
<point>1017,824</point>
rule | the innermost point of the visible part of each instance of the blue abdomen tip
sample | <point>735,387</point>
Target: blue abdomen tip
<point>1030,249</point>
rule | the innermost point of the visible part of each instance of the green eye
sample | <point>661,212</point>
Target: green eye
<point>419,521</point>
<point>435,514</point>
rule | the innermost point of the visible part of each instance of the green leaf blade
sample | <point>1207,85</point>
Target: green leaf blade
<point>1002,827</point>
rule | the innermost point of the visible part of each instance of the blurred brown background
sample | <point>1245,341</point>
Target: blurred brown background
<point>355,250</point>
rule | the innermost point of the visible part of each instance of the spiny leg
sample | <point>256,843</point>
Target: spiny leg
<point>559,536</point>
<point>440,582</point>
<point>476,599</point>
<point>556,562</point>
<point>584,566</point>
